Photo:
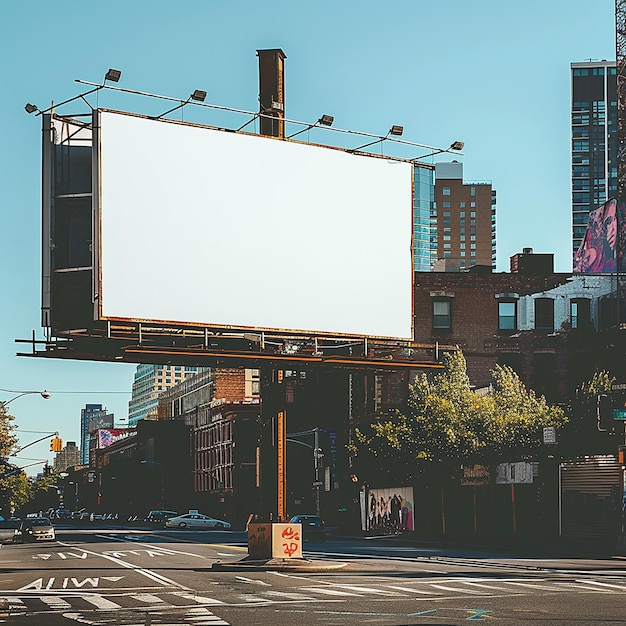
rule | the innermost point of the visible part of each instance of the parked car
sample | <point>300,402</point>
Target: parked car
<point>10,530</point>
<point>36,529</point>
<point>313,527</point>
<point>158,518</point>
<point>195,520</point>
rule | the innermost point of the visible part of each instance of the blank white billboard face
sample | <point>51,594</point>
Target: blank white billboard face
<point>221,229</point>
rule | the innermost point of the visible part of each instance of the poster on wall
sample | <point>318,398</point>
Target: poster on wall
<point>389,510</point>
<point>602,244</point>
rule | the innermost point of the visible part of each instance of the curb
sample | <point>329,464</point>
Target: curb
<point>283,565</point>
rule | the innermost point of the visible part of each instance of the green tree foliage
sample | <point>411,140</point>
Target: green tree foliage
<point>7,436</point>
<point>446,424</point>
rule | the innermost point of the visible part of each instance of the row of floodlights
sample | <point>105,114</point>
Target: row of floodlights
<point>199,95</point>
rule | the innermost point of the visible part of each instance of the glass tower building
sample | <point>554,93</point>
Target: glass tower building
<point>594,141</point>
<point>423,197</point>
<point>148,383</point>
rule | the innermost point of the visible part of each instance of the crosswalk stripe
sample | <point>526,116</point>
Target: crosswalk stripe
<point>330,592</point>
<point>482,585</point>
<point>287,596</point>
<point>532,585</point>
<point>199,599</point>
<point>147,597</point>
<point>455,589</point>
<point>54,602</point>
<point>412,590</point>
<point>368,590</point>
<point>597,582</point>
<point>202,616</point>
<point>100,602</point>
<point>13,604</point>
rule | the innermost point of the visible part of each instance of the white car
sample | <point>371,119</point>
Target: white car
<point>195,520</point>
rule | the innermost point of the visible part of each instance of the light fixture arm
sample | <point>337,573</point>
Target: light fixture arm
<point>3,403</point>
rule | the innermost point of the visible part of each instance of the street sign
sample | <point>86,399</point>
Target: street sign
<point>549,434</point>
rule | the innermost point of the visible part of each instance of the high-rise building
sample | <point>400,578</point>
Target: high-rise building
<point>464,220</point>
<point>423,196</point>
<point>68,457</point>
<point>149,382</point>
<point>594,141</point>
<point>88,414</point>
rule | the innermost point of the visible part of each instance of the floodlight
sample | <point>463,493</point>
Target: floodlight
<point>325,120</point>
<point>31,108</point>
<point>198,95</point>
<point>395,130</point>
<point>113,75</point>
<point>457,145</point>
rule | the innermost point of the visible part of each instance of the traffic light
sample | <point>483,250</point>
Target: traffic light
<point>56,444</point>
<point>47,470</point>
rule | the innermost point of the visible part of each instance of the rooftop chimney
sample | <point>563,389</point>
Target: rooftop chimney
<point>272,92</point>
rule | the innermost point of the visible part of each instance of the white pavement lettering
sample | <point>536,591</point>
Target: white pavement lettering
<point>140,570</point>
<point>38,584</point>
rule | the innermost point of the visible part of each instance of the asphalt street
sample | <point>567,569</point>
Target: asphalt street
<point>133,577</point>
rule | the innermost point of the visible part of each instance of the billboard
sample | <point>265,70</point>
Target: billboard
<point>195,225</point>
<point>602,245</point>
<point>108,436</point>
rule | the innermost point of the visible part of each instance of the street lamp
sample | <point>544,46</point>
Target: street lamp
<point>3,403</point>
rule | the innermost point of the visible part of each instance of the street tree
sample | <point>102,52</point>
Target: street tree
<point>446,423</point>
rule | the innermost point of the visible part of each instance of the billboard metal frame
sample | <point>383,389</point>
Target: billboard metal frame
<point>152,341</point>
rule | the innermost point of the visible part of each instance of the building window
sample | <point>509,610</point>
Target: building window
<point>442,314</point>
<point>507,315</point>
<point>446,204</point>
<point>544,314</point>
<point>462,205</point>
<point>446,213</point>
<point>472,191</point>
<point>580,312</point>
<point>446,191</point>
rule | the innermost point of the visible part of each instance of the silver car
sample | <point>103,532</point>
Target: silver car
<point>195,520</point>
<point>37,529</point>
<point>10,530</point>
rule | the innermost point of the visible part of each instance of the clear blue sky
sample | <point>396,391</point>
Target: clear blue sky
<point>490,73</point>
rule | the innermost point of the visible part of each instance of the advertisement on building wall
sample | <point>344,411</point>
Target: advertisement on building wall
<point>108,436</point>
<point>390,509</point>
<point>603,241</point>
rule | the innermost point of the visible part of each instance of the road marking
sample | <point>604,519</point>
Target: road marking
<point>368,590</point>
<point>54,602</point>
<point>203,616</point>
<point>254,582</point>
<point>156,548</point>
<point>147,597</point>
<point>331,592</point>
<point>412,590</point>
<point>596,582</point>
<point>471,582</point>
<point>14,604</point>
<point>198,599</point>
<point>532,586</point>
<point>455,589</point>
<point>288,596</point>
<point>140,570</point>
<point>100,602</point>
